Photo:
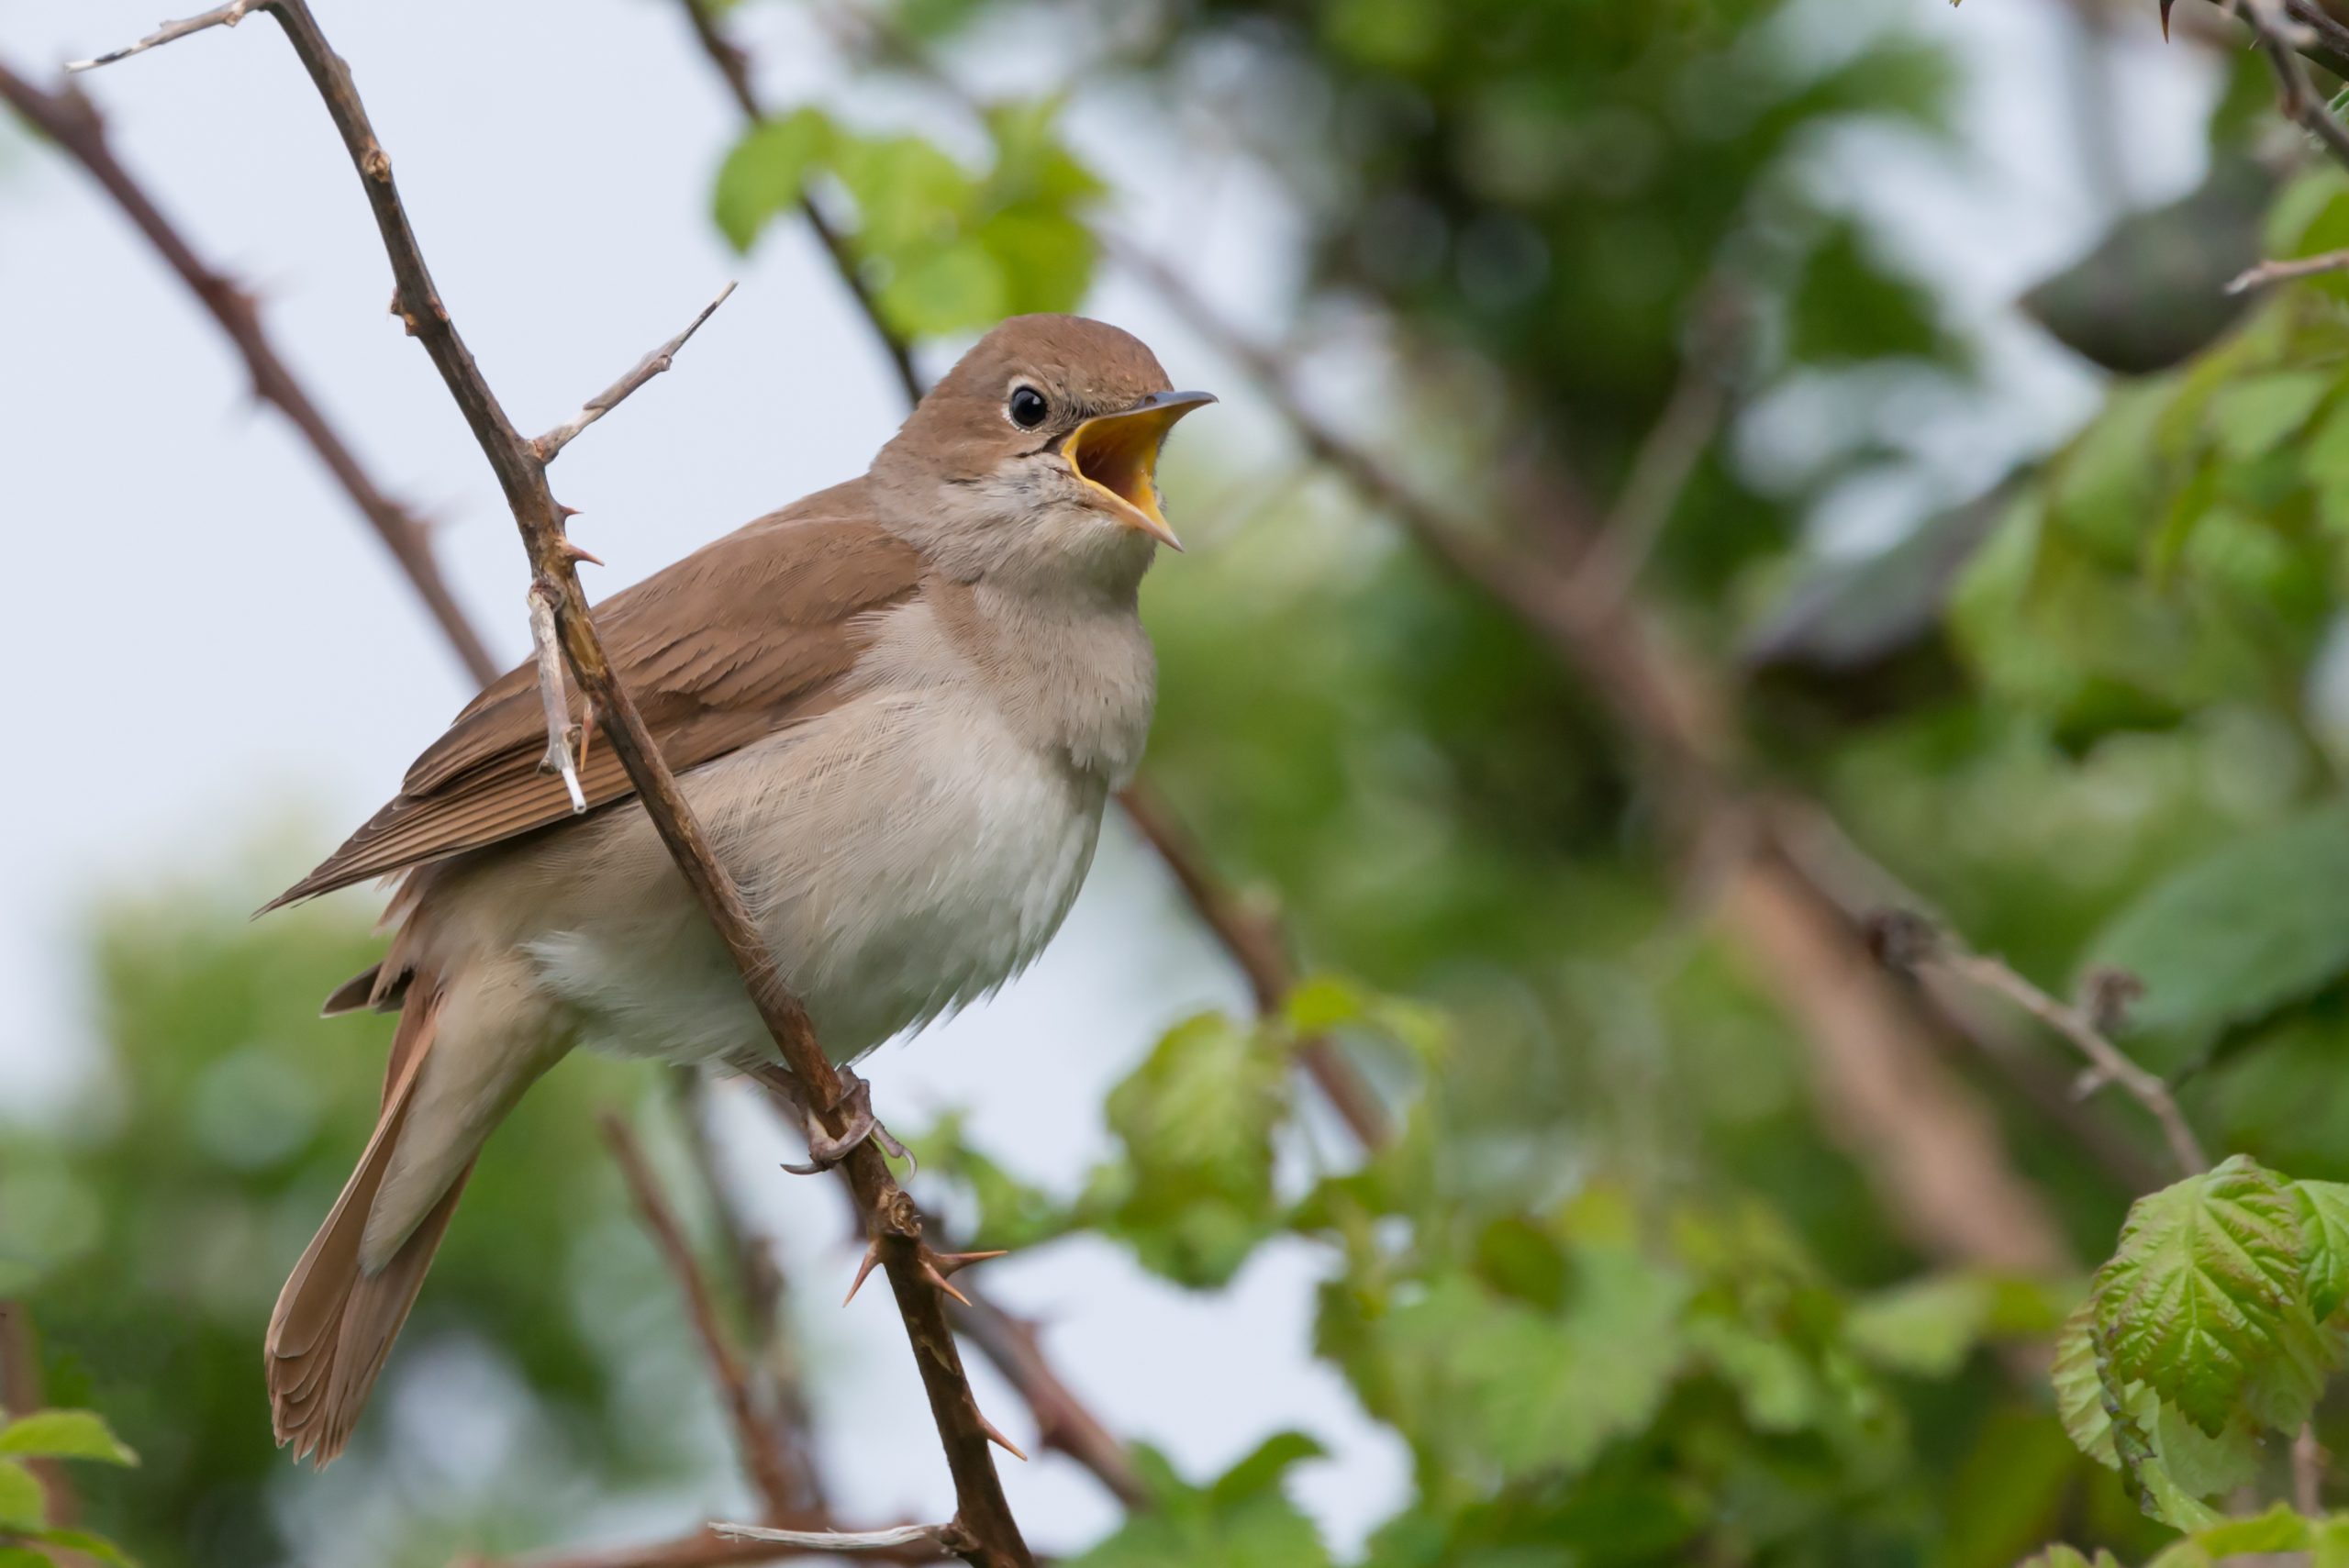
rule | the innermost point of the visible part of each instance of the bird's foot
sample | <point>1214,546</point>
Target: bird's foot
<point>826,1150</point>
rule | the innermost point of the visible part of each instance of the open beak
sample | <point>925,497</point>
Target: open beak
<point>1118,455</point>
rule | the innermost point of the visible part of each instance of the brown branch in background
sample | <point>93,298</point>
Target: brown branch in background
<point>72,122</point>
<point>20,1395</point>
<point>1910,943</point>
<point>703,1549</point>
<point>734,65</point>
<point>983,1531</point>
<point>772,1471</point>
<point>1253,938</point>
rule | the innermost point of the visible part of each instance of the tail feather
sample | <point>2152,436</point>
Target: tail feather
<point>335,1322</point>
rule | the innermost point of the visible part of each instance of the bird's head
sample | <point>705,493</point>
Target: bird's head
<point>1038,452</point>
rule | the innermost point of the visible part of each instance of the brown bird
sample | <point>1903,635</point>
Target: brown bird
<point>897,706</point>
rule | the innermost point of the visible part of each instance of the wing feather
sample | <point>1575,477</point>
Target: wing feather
<point>745,637</point>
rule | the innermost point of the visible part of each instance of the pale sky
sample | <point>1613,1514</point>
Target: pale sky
<point>223,668</point>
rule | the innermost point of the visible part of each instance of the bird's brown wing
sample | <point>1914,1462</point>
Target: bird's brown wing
<point>743,637</point>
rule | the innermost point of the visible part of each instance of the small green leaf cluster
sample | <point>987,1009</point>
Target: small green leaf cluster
<point>2209,1332</point>
<point>941,249</point>
<point>27,1537</point>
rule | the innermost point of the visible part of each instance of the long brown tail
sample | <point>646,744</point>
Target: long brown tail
<point>335,1320</point>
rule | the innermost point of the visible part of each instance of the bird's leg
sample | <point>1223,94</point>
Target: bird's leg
<point>824,1151</point>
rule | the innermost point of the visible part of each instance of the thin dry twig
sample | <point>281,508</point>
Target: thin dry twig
<point>772,1471</point>
<point>563,738</point>
<point>2287,268</point>
<point>986,1531</point>
<point>227,16</point>
<point>70,120</point>
<point>839,1540</point>
<point>645,368</point>
<point>1911,941</point>
<point>2283,32</point>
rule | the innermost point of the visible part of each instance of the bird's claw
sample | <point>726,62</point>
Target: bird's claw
<point>825,1151</point>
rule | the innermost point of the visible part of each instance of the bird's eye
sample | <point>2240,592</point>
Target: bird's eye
<point>1027,407</point>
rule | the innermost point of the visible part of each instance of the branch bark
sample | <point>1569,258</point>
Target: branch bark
<point>983,1531</point>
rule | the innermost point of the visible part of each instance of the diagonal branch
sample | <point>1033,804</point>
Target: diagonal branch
<point>71,121</point>
<point>774,1472</point>
<point>983,1531</point>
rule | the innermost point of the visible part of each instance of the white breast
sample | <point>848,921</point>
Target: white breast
<point>905,854</point>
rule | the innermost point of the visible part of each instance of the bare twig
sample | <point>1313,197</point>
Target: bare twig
<point>771,1470</point>
<point>604,402</point>
<point>1911,941</point>
<point>69,119</point>
<point>2284,271</point>
<point>227,16</point>
<point>20,1394</point>
<point>839,1541</point>
<point>2282,34</point>
<point>1661,469</point>
<point>2308,1470</point>
<point>563,738</point>
<point>703,1549</point>
<point>986,1533</point>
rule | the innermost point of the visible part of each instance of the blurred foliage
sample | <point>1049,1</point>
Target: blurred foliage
<point>1613,1286</point>
<point>150,1224</point>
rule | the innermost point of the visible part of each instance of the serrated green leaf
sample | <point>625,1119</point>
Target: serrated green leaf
<point>2231,936</point>
<point>23,1505</point>
<point>64,1434</point>
<point>2079,1388</point>
<point>2324,1229</point>
<point>767,171</point>
<point>2195,1300</point>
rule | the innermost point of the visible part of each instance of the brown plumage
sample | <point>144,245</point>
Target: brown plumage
<point>896,706</point>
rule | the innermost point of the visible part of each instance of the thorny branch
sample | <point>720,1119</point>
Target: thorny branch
<point>645,368</point>
<point>982,1530</point>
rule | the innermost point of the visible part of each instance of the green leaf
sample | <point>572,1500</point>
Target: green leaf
<point>64,1434</point>
<point>1197,1120</point>
<point>2329,1544</point>
<point>2068,1557</point>
<point>23,1505</point>
<point>1264,1470</point>
<point>910,196</point>
<point>2196,1299</point>
<point>1924,1328</point>
<point>2251,417</point>
<point>2233,935</point>
<point>945,289</point>
<point>1045,258</point>
<point>767,171</point>
<point>25,1557</point>
<point>2079,1387</point>
<point>2280,1529</point>
<point>2324,1231</point>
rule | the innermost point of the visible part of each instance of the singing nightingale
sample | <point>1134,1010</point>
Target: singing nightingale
<point>898,707</point>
